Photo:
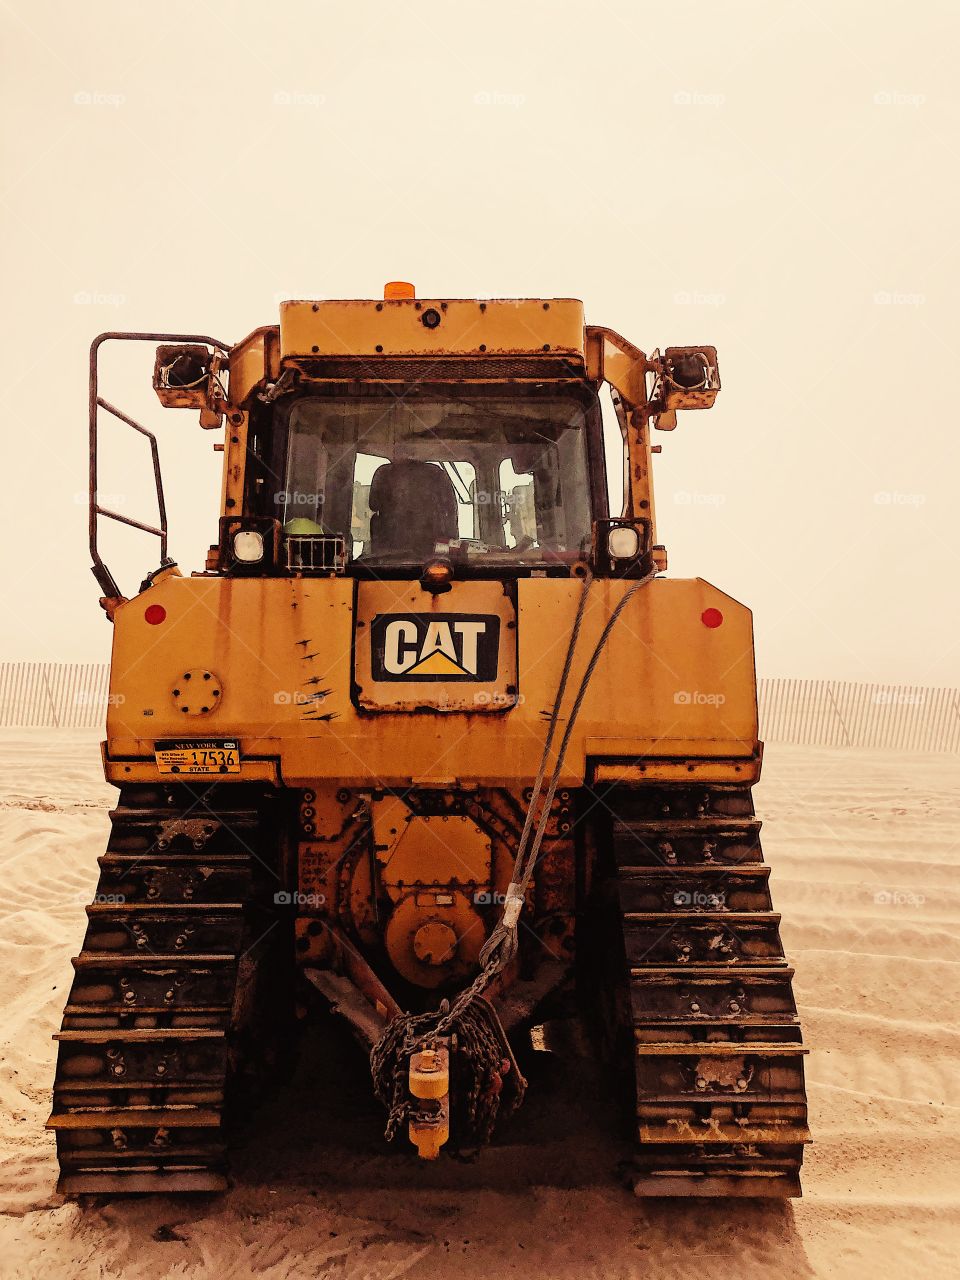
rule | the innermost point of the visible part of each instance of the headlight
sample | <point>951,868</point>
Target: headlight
<point>623,542</point>
<point>248,546</point>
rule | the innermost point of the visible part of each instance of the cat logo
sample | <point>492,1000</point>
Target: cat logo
<point>429,646</point>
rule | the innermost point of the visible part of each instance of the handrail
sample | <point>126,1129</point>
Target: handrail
<point>100,571</point>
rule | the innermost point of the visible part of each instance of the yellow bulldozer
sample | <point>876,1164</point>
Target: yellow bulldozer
<point>430,734</point>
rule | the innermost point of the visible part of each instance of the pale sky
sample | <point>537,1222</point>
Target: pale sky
<point>779,180</point>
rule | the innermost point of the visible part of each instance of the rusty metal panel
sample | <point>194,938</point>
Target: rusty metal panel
<point>422,327</point>
<point>428,851</point>
<point>284,651</point>
<point>611,358</point>
<point>454,652</point>
<point>253,360</point>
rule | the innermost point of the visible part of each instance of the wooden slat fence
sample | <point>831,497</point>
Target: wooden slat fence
<point>64,695</point>
<point>816,712</point>
<point>835,713</point>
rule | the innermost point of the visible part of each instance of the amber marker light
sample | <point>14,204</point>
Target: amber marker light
<point>436,576</point>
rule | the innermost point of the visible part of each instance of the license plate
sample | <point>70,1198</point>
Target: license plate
<point>190,758</point>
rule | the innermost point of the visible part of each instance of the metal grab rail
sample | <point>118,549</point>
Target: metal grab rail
<point>100,571</point>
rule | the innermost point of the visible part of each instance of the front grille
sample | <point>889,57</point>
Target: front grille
<point>443,369</point>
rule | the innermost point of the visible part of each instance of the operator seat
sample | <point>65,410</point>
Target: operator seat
<point>413,505</point>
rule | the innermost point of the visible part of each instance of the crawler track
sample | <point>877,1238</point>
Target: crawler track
<point>163,1001</point>
<point>705,1004</point>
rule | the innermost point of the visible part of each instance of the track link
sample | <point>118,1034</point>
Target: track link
<point>152,1029</point>
<point>705,1001</point>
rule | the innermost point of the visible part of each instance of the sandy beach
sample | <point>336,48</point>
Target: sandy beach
<point>864,849</point>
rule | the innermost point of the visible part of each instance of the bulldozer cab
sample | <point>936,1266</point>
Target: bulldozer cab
<point>367,439</point>
<point>491,478</point>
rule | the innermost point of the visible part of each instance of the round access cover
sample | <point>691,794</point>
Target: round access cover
<point>197,692</point>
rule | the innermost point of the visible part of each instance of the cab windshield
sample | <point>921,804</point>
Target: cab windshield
<point>499,476</point>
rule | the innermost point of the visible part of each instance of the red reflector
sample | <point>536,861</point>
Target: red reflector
<point>154,613</point>
<point>711,617</point>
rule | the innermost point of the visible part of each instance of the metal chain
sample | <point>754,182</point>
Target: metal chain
<point>480,1055</point>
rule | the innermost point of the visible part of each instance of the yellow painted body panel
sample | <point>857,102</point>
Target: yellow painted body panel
<point>403,599</point>
<point>467,326</point>
<point>251,361</point>
<point>666,687</point>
